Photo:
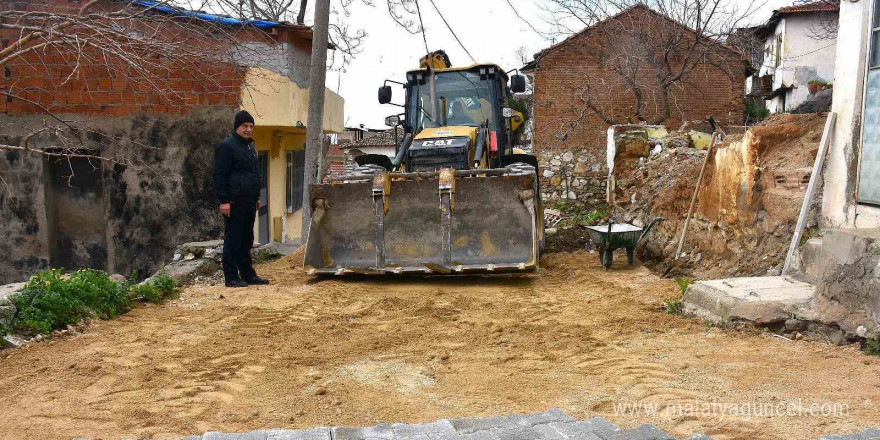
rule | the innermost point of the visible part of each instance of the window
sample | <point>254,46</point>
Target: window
<point>295,165</point>
<point>875,37</point>
<point>778,51</point>
<point>468,100</point>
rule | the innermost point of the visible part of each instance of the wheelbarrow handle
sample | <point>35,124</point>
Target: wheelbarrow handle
<point>608,235</point>
<point>648,228</point>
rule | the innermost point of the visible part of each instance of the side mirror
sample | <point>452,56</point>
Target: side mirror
<point>392,121</point>
<point>517,83</point>
<point>384,94</point>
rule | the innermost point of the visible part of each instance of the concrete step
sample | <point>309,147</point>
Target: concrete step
<point>762,300</point>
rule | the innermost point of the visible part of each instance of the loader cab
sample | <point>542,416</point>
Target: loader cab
<point>469,97</point>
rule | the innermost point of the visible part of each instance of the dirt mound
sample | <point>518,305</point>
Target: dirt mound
<point>568,239</point>
<point>748,203</point>
<point>295,259</point>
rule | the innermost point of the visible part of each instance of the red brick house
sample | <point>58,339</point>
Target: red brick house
<point>608,74</point>
<point>563,72</point>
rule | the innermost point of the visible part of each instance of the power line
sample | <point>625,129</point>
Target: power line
<point>422,25</point>
<point>452,31</point>
<point>515,12</point>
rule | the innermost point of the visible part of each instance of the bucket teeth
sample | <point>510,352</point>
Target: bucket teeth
<point>439,268</point>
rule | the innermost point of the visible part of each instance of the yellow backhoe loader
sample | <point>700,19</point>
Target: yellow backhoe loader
<point>456,198</point>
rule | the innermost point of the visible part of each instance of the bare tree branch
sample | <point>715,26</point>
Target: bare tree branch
<point>58,60</point>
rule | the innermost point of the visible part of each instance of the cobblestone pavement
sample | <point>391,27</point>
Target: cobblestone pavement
<point>549,425</point>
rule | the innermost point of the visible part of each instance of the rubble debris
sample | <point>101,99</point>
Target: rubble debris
<point>744,218</point>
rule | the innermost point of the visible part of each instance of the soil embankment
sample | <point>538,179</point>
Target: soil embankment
<point>748,202</point>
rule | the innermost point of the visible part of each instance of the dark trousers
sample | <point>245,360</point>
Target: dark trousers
<point>238,239</point>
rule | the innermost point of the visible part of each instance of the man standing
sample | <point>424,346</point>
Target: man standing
<point>237,181</point>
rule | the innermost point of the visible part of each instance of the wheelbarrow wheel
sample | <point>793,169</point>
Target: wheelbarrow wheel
<point>606,256</point>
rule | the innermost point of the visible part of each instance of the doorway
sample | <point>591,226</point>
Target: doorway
<point>263,213</point>
<point>76,213</point>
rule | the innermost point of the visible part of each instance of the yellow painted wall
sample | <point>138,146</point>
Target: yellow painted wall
<point>280,111</point>
<point>274,100</point>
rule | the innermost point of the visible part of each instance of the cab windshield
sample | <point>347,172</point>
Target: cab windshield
<point>468,101</point>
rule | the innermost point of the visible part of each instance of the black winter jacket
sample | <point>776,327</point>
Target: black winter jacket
<point>236,170</point>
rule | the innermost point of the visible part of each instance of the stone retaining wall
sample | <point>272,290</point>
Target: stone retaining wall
<point>574,176</point>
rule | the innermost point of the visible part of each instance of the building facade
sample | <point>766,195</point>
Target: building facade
<point>851,197</point>
<point>798,47</point>
<point>127,176</point>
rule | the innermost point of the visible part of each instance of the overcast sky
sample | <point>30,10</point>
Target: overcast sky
<point>489,29</point>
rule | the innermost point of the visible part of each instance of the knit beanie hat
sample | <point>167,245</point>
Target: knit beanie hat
<point>242,117</point>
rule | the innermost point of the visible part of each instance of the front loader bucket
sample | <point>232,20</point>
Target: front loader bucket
<point>446,222</point>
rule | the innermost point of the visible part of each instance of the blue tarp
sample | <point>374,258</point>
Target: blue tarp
<point>261,24</point>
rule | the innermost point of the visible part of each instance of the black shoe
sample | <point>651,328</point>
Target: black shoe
<point>257,280</point>
<point>236,283</point>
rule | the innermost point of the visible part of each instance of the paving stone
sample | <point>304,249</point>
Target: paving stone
<point>574,429</point>
<point>518,433</point>
<point>405,431</point>
<point>428,436</point>
<point>549,425</point>
<point>478,435</point>
<point>549,416</point>
<point>868,434</point>
<point>585,436</point>
<point>644,432</point>
<point>548,432</point>
<point>253,435</point>
<point>301,434</point>
<point>379,432</point>
<point>467,426</point>
<point>842,437</point>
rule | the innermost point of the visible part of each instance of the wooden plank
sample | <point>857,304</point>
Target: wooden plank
<point>690,213</point>
<point>808,197</point>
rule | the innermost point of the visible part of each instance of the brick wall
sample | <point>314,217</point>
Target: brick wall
<point>565,70</point>
<point>63,80</point>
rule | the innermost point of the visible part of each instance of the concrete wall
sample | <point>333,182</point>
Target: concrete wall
<point>163,198</point>
<point>23,222</point>
<point>839,207</point>
<point>805,58</point>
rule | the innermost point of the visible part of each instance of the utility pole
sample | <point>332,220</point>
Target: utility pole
<point>315,127</point>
